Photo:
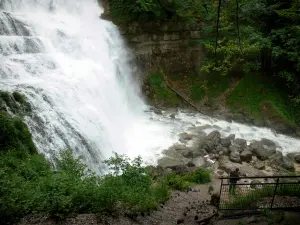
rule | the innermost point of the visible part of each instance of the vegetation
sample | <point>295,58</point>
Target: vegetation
<point>256,95</point>
<point>253,197</point>
<point>151,10</point>
<point>29,185</point>
<point>160,92</point>
<point>184,181</point>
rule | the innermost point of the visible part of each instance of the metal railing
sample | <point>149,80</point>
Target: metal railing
<point>252,193</point>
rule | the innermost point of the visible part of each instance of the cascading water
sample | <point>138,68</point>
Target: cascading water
<point>74,69</point>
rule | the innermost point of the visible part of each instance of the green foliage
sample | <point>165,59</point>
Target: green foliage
<point>29,185</point>
<point>253,92</point>
<point>146,10</point>
<point>184,181</point>
<point>14,103</point>
<point>14,134</point>
<point>160,91</point>
<point>250,199</point>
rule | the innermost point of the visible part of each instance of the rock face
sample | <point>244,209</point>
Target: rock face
<point>246,156</point>
<point>260,151</point>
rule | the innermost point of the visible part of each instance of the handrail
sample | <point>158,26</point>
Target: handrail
<point>258,177</point>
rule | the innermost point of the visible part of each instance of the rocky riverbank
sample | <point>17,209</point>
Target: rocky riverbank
<point>258,158</point>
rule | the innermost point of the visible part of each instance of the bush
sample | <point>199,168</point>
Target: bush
<point>147,10</point>
<point>29,185</point>
<point>185,180</point>
<point>14,134</point>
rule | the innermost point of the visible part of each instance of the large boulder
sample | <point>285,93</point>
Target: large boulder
<point>268,143</point>
<point>240,142</point>
<point>226,142</point>
<point>260,151</point>
<point>235,148</point>
<point>214,137</point>
<point>235,157</point>
<point>287,163</point>
<point>246,156</point>
<point>259,165</point>
<point>185,137</point>
<point>294,156</point>
<point>297,158</point>
<point>169,162</point>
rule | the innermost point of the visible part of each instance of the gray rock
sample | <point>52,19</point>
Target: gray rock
<point>199,162</point>
<point>294,156</point>
<point>170,162</point>
<point>235,157</point>
<point>214,136</point>
<point>268,142</point>
<point>188,154</point>
<point>246,156</point>
<point>235,148</point>
<point>297,158</point>
<point>184,137</point>
<point>209,146</point>
<point>259,165</point>
<point>260,151</point>
<point>190,164</point>
<point>287,163</point>
<point>240,142</point>
<point>173,115</point>
<point>226,142</point>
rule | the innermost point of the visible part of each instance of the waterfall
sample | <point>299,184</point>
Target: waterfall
<point>74,69</point>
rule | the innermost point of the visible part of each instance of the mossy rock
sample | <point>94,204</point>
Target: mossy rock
<point>14,103</point>
<point>15,135</point>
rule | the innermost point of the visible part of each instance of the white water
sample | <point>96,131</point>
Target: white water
<point>75,70</point>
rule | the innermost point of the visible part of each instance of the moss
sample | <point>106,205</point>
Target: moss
<point>14,102</point>
<point>212,86</point>
<point>14,134</point>
<point>259,97</point>
<point>161,92</point>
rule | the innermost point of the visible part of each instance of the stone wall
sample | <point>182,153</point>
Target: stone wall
<point>166,46</point>
<point>162,46</point>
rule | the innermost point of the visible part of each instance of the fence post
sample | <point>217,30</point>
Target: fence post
<point>220,194</point>
<point>275,190</point>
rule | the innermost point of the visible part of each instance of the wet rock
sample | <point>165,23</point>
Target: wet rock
<point>294,156</point>
<point>190,164</point>
<point>169,162</point>
<point>188,154</point>
<point>246,156</point>
<point>199,162</point>
<point>268,142</point>
<point>214,136</point>
<point>287,163</point>
<point>184,137</point>
<point>260,151</point>
<point>259,165</point>
<point>240,142</point>
<point>173,115</point>
<point>235,157</point>
<point>235,148</point>
<point>226,142</point>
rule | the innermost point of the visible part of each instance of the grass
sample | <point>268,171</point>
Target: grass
<point>254,92</point>
<point>184,181</point>
<point>160,90</point>
<point>252,197</point>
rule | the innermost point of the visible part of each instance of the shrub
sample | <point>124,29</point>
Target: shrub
<point>146,10</point>
<point>14,134</point>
